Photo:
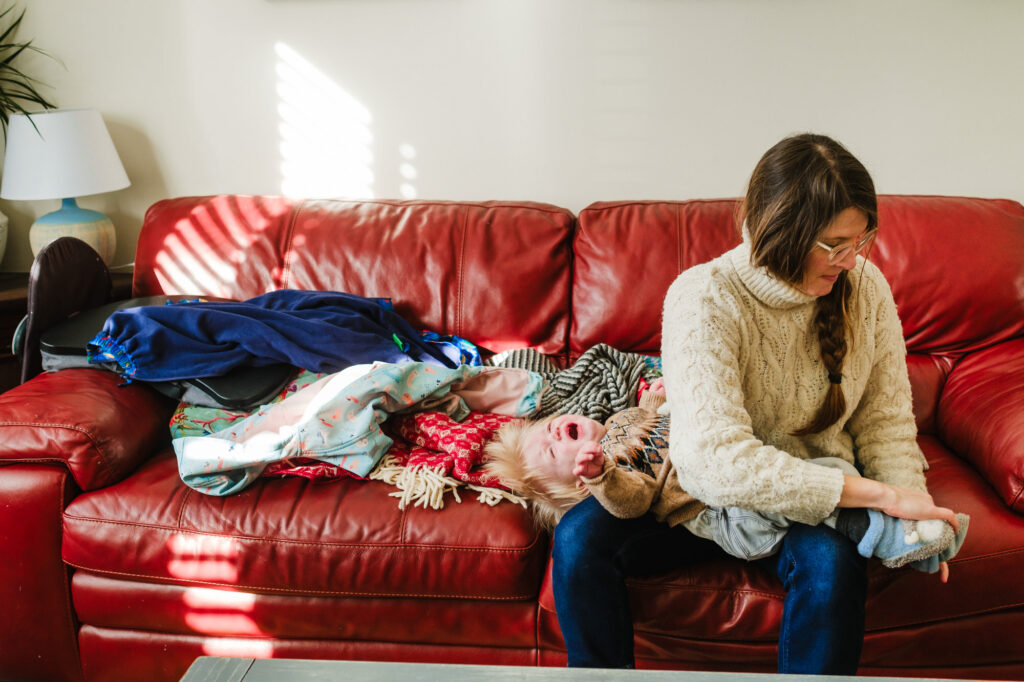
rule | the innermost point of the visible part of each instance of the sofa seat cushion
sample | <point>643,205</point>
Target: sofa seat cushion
<point>730,601</point>
<point>291,536</point>
<point>125,605</point>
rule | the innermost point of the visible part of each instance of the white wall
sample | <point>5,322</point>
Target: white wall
<point>565,101</point>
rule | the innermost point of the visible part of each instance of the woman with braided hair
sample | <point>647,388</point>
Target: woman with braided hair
<point>785,349</point>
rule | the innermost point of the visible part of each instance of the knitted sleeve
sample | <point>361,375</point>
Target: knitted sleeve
<point>718,458</point>
<point>627,492</point>
<point>651,401</point>
<point>882,424</point>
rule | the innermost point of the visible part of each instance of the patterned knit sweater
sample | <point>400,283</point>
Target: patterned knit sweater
<point>638,476</point>
<point>743,370</point>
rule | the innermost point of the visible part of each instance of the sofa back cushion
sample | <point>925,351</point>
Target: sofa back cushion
<point>955,264</point>
<point>627,255</point>
<point>496,273</point>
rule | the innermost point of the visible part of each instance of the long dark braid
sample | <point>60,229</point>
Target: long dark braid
<point>830,322</point>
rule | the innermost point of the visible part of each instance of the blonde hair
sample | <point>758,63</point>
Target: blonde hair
<point>504,459</point>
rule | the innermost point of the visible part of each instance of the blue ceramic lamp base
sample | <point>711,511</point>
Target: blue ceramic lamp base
<point>70,220</point>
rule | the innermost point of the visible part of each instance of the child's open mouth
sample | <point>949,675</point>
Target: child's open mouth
<point>572,431</point>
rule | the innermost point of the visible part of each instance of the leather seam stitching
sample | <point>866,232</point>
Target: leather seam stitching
<point>303,543</point>
<point>679,242</point>
<point>277,590</point>
<point>93,444</point>
<point>553,210</point>
<point>462,272</point>
<point>69,610</point>
<point>181,510</point>
<point>286,267</point>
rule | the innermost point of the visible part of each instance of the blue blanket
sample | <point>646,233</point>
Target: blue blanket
<point>321,331</point>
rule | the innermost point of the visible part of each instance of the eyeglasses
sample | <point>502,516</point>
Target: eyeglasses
<point>840,251</point>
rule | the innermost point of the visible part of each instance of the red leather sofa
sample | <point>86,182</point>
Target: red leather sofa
<point>112,569</point>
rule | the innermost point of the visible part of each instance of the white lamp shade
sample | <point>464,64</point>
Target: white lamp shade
<point>71,155</point>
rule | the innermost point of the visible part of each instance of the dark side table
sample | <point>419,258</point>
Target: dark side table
<point>14,305</point>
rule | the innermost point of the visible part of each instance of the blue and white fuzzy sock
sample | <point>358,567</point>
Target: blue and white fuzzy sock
<point>931,564</point>
<point>886,539</point>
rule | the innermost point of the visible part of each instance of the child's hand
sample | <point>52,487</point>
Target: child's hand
<point>589,460</point>
<point>657,387</point>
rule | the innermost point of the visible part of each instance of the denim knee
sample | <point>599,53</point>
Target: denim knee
<point>826,589</point>
<point>824,562</point>
<point>578,535</point>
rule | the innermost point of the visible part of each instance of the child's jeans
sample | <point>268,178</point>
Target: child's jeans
<point>594,552</point>
<point>753,535</point>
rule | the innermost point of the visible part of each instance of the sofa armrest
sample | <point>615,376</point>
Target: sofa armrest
<point>981,417</point>
<point>85,419</point>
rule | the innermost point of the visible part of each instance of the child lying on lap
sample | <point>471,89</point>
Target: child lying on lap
<point>624,463</point>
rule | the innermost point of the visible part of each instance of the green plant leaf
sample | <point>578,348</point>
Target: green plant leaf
<point>18,90</point>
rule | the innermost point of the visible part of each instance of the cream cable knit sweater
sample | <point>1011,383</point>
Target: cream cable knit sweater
<point>743,370</point>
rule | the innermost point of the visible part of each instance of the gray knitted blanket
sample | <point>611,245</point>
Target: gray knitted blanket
<point>602,382</point>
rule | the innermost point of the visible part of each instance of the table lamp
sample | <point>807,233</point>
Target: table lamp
<point>63,154</point>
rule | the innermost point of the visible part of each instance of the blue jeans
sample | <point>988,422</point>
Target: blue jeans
<point>594,552</point>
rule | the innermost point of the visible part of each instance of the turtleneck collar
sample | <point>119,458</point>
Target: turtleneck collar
<point>771,291</point>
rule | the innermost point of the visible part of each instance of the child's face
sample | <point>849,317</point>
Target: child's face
<point>551,447</point>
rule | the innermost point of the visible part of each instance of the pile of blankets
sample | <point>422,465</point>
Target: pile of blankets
<point>379,400</point>
<point>426,452</point>
<point>337,419</point>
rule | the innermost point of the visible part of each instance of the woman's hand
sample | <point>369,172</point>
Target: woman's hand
<point>914,504</point>
<point>893,500</point>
